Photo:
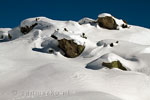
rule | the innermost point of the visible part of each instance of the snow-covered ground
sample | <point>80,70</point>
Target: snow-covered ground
<point>29,72</point>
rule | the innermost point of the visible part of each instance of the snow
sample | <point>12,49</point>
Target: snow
<point>28,69</point>
<point>84,96</point>
<point>104,15</point>
<point>69,35</point>
<point>4,32</point>
<point>30,21</point>
<point>86,21</point>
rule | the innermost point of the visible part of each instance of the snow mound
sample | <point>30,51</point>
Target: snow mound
<point>69,35</point>
<point>146,50</point>
<point>41,21</point>
<point>104,15</point>
<point>87,21</point>
<point>110,57</point>
<point>4,33</point>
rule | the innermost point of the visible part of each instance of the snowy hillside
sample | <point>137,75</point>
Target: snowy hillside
<point>101,59</point>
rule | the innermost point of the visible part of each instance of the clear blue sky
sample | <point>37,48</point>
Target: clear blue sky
<point>12,12</point>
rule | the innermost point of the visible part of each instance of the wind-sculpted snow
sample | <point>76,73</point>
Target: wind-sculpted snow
<point>32,65</point>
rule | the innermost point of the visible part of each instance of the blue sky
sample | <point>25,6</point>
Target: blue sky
<point>12,12</point>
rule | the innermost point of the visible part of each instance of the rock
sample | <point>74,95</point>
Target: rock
<point>54,37</point>
<point>9,37</point>
<point>65,29</point>
<point>117,41</point>
<point>125,21</point>
<point>27,29</point>
<point>111,44</point>
<point>125,26</point>
<point>83,36</point>
<point>114,64</point>
<point>107,22</point>
<point>1,37</point>
<point>70,48</point>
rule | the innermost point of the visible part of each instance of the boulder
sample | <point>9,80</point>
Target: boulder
<point>107,22</point>
<point>27,29</point>
<point>114,64</point>
<point>70,48</point>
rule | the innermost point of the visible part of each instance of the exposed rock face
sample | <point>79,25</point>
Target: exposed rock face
<point>107,22</point>
<point>70,48</point>
<point>114,64</point>
<point>27,29</point>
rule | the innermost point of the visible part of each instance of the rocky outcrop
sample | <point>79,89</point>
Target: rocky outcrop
<point>70,48</point>
<point>27,29</point>
<point>114,64</point>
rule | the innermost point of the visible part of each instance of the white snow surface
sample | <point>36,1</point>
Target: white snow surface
<point>104,15</point>
<point>4,32</point>
<point>69,35</point>
<point>86,21</point>
<point>29,72</point>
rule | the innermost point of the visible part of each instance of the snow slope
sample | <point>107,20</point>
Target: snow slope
<point>29,72</point>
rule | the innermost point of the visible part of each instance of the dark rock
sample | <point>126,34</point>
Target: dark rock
<point>27,29</point>
<point>65,29</point>
<point>117,41</point>
<point>70,48</point>
<point>125,21</point>
<point>50,51</point>
<point>37,19</point>
<point>107,22</point>
<point>114,64</point>
<point>1,37</point>
<point>53,36</point>
<point>111,44</point>
<point>124,26</point>
<point>9,37</point>
<point>83,36</point>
